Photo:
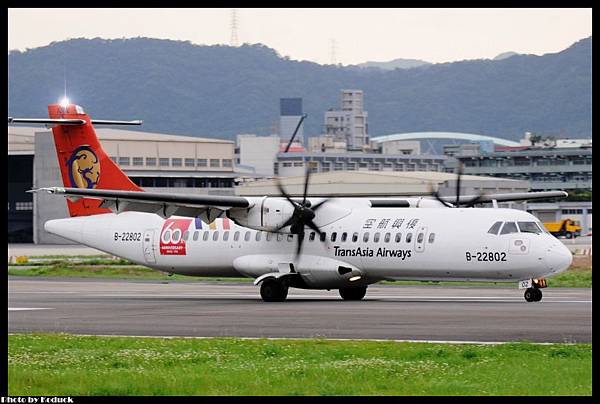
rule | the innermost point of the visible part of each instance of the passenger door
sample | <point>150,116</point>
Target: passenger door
<point>148,246</point>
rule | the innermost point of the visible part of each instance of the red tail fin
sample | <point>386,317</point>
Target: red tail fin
<point>83,163</point>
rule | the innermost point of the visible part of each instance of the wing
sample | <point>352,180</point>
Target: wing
<point>515,196</point>
<point>165,205</point>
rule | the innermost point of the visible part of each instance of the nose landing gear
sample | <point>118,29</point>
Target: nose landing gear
<point>533,295</point>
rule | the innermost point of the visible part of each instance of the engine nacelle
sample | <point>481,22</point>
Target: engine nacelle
<point>266,214</point>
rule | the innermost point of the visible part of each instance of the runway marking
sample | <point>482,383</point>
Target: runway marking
<point>422,341</point>
<point>327,297</point>
<point>29,308</point>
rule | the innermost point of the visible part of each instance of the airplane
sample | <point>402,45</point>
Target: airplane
<point>284,242</point>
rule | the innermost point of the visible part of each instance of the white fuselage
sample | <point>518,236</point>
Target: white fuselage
<point>434,244</point>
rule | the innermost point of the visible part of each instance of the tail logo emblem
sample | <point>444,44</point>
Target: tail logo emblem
<point>84,168</point>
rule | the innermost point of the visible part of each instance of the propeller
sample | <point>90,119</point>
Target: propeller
<point>303,215</point>
<point>294,134</point>
<point>469,203</point>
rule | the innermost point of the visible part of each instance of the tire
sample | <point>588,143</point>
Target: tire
<point>353,293</point>
<point>529,294</point>
<point>272,290</point>
<point>537,296</point>
<point>569,235</point>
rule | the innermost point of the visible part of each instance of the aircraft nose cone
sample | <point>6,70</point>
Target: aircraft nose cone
<point>559,258</point>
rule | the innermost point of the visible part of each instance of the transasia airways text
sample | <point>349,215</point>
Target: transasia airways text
<point>369,252</point>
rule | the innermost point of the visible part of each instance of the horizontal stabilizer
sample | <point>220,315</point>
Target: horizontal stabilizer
<point>58,121</point>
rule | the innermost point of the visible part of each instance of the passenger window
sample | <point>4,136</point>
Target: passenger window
<point>431,237</point>
<point>366,237</point>
<point>355,237</point>
<point>269,236</point>
<point>236,236</point>
<point>290,237</point>
<point>312,236</point>
<point>205,236</point>
<point>196,235</point>
<point>186,235</point>
<point>215,236</point>
<point>420,237</point>
<point>333,236</point>
<point>323,236</point>
<point>387,237</point>
<point>258,236</point>
<point>509,227</point>
<point>225,235</point>
<point>495,227</point>
<point>247,236</point>
<point>344,237</point>
<point>376,237</point>
<point>279,236</point>
<point>529,227</point>
<point>398,237</point>
<point>408,237</point>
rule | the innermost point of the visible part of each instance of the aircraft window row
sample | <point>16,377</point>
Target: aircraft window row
<point>387,237</point>
<point>511,227</point>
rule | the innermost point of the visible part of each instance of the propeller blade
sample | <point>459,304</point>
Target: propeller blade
<point>473,201</point>
<point>299,246</point>
<point>443,202</point>
<point>295,131</point>
<point>313,226</point>
<point>287,223</point>
<point>318,205</point>
<point>460,171</point>
<point>306,179</point>
<point>285,194</point>
<point>437,196</point>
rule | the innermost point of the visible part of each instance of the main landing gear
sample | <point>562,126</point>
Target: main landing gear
<point>353,293</point>
<point>273,290</point>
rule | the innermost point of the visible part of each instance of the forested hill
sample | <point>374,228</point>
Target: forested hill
<point>220,91</point>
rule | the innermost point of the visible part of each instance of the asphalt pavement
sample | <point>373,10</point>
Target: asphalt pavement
<point>207,309</point>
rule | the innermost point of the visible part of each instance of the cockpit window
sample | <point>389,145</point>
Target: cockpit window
<point>495,227</point>
<point>529,227</point>
<point>509,227</point>
<point>541,226</point>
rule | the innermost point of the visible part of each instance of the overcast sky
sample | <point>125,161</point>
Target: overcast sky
<point>360,35</point>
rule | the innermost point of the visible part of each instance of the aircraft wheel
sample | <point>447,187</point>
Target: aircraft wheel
<point>272,290</point>
<point>353,293</point>
<point>533,295</point>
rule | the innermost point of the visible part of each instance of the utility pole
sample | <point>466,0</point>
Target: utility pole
<point>234,28</point>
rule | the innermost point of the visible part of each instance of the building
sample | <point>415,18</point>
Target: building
<point>383,183</point>
<point>553,168</point>
<point>156,162</point>
<point>295,164</point>
<point>349,123</point>
<point>290,113</point>
<point>558,211</point>
<point>257,152</point>
<point>397,147</point>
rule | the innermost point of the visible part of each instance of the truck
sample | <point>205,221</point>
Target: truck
<point>568,228</point>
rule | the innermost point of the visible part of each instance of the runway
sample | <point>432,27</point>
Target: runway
<point>427,313</point>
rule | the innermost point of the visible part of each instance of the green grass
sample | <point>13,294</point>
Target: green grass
<point>70,270</point>
<point>575,277</point>
<point>58,364</point>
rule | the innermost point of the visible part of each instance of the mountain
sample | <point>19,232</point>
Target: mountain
<point>505,55</point>
<point>395,64</point>
<point>218,91</point>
